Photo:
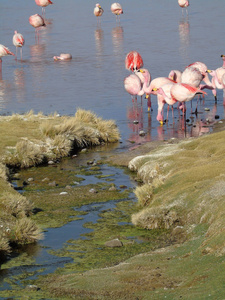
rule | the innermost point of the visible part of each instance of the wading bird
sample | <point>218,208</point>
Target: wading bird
<point>18,42</point>
<point>4,51</point>
<point>133,61</point>
<point>133,86</point>
<point>63,56</point>
<point>43,4</point>
<point>184,4</point>
<point>98,11</point>
<point>36,21</point>
<point>117,10</point>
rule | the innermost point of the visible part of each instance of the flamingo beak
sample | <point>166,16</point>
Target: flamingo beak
<point>155,89</point>
<point>146,96</point>
<point>208,71</point>
<point>140,70</point>
<point>161,123</point>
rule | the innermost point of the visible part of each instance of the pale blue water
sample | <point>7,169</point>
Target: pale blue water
<point>93,79</point>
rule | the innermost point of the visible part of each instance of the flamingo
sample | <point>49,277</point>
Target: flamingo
<point>164,96</point>
<point>98,11</point>
<point>18,41</point>
<point>133,61</point>
<point>149,87</point>
<point>4,51</point>
<point>116,9</point>
<point>203,69</point>
<point>217,80</point>
<point>63,56</point>
<point>36,21</point>
<point>43,4</point>
<point>133,86</point>
<point>192,76</point>
<point>184,4</point>
<point>183,92</point>
<point>175,75</point>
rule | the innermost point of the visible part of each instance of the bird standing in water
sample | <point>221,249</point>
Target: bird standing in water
<point>36,21</point>
<point>43,4</point>
<point>184,4</point>
<point>18,42</point>
<point>98,11</point>
<point>4,51</point>
<point>133,61</point>
<point>117,10</point>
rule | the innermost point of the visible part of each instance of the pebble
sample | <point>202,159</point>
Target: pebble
<point>63,193</point>
<point>207,109</point>
<point>141,133</point>
<point>135,121</point>
<point>93,191</point>
<point>30,179</point>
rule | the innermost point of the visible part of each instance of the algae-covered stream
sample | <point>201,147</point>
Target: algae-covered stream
<point>80,203</point>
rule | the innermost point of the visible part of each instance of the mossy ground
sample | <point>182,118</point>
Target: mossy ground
<point>190,261</point>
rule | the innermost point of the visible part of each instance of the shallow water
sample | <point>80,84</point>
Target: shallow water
<point>93,79</point>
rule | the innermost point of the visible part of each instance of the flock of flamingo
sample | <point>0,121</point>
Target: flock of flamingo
<point>178,87</point>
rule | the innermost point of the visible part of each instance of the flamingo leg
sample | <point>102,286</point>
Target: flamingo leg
<point>0,69</point>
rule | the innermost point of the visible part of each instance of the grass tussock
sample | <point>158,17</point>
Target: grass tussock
<point>191,174</point>
<point>26,231</point>
<point>16,205</point>
<point>4,243</point>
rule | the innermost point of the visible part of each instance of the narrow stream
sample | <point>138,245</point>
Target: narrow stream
<point>34,260</point>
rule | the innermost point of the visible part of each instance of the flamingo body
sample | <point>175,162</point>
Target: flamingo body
<point>36,21</point>
<point>43,3</point>
<point>192,76</point>
<point>98,10</point>
<point>63,56</point>
<point>133,61</point>
<point>183,92</point>
<point>4,51</point>
<point>183,3</point>
<point>133,86</point>
<point>116,9</point>
<point>18,42</point>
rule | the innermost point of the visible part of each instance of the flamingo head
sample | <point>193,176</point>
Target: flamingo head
<point>211,72</point>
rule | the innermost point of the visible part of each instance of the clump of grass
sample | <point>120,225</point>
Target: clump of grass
<point>16,205</point>
<point>4,243</point>
<point>156,218</point>
<point>144,194</point>
<point>25,232</point>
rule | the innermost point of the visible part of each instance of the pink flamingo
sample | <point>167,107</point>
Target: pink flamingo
<point>43,4</point>
<point>149,87</point>
<point>37,21</point>
<point>98,11</point>
<point>184,4</point>
<point>133,86</point>
<point>217,80</point>
<point>133,61</point>
<point>175,75</point>
<point>116,9</point>
<point>192,76</point>
<point>164,96</point>
<point>63,56</point>
<point>203,69</point>
<point>4,51</point>
<point>18,41</point>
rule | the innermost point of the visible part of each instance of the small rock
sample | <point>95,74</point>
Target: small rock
<point>76,182</point>
<point>74,156</point>
<point>123,186</point>
<point>30,179</point>
<point>32,287</point>
<point>217,117</point>
<point>93,191</point>
<point>53,183</point>
<point>63,193</point>
<point>83,150</point>
<point>51,162</point>
<point>135,121</point>
<point>45,179</point>
<point>141,133</point>
<point>112,188</point>
<point>114,243</point>
<point>68,187</point>
<point>207,109</point>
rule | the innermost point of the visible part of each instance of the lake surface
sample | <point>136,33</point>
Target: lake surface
<point>93,79</point>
